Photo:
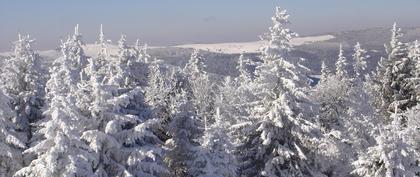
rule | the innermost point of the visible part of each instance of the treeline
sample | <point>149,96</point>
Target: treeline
<point>127,114</point>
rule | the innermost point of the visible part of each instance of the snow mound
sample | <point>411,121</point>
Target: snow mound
<point>251,47</point>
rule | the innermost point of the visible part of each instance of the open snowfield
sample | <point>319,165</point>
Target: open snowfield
<point>251,47</point>
<point>226,48</point>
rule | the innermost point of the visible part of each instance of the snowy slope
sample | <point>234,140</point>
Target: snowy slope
<point>251,47</point>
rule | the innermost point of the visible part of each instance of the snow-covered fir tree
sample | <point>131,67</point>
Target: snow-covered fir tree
<point>415,59</point>
<point>103,57</point>
<point>125,145</point>
<point>160,90</point>
<point>120,72</point>
<point>392,155</point>
<point>360,63</point>
<point>413,127</point>
<point>73,55</point>
<point>12,142</point>
<point>341,66</point>
<point>392,77</point>
<point>21,79</point>
<point>276,144</point>
<point>195,66</point>
<point>142,55</point>
<point>139,68</point>
<point>231,106</point>
<point>245,76</point>
<point>200,87</point>
<point>347,123</point>
<point>61,152</point>
<point>234,96</point>
<point>332,95</point>
<point>215,155</point>
<point>157,87</point>
<point>185,134</point>
<point>325,72</point>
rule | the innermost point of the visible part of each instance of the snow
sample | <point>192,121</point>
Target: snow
<point>251,47</point>
<point>227,48</point>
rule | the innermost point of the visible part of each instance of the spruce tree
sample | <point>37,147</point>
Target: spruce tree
<point>124,144</point>
<point>12,142</point>
<point>392,77</point>
<point>61,152</point>
<point>21,79</point>
<point>120,71</point>
<point>200,87</point>
<point>185,134</point>
<point>341,66</point>
<point>360,64</point>
<point>103,57</point>
<point>392,155</point>
<point>275,144</point>
<point>215,155</point>
<point>245,76</point>
<point>325,72</point>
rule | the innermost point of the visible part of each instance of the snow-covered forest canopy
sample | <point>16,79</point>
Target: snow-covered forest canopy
<point>128,114</point>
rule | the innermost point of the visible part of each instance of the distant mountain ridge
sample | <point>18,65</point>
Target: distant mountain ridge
<point>221,57</point>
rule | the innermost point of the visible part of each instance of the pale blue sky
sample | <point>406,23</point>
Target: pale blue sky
<point>168,22</point>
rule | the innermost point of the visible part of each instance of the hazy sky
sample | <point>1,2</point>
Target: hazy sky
<point>169,22</point>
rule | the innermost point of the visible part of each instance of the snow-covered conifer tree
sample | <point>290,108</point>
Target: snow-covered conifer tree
<point>70,67</point>
<point>360,64</point>
<point>392,77</point>
<point>332,95</point>
<point>201,87</point>
<point>142,55</point>
<point>391,156</point>
<point>346,120</point>
<point>195,66</point>
<point>415,59</point>
<point>214,157</point>
<point>185,133</point>
<point>156,88</point>
<point>325,72</point>
<point>125,145</point>
<point>21,79</point>
<point>103,55</point>
<point>61,152</point>
<point>245,76</point>
<point>120,67</point>
<point>341,66</point>
<point>276,143</point>
<point>12,142</point>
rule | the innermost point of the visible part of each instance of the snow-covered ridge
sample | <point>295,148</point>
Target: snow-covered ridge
<point>251,47</point>
<point>227,48</point>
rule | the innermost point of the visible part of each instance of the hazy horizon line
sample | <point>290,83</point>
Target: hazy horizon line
<point>131,41</point>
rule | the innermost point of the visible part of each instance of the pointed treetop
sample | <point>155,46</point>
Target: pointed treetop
<point>122,43</point>
<point>23,44</point>
<point>195,65</point>
<point>137,44</point>
<point>325,71</point>
<point>279,36</point>
<point>76,29</point>
<point>101,35</point>
<point>395,36</point>
<point>244,74</point>
<point>281,17</point>
<point>341,64</point>
<point>103,52</point>
<point>102,29</point>
<point>359,57</point>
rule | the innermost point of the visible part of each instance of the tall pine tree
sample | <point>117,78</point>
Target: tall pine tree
<point>276,144</point>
